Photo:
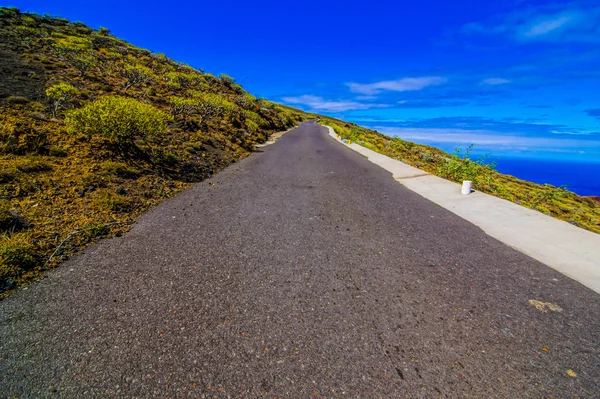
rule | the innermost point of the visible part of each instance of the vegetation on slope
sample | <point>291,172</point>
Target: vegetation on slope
<point>94,131</point>
<point>580,211</point>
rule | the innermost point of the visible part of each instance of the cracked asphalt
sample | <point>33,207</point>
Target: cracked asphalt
<point>302,271</point>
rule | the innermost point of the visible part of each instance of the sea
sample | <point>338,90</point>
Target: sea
<point>582,178</point>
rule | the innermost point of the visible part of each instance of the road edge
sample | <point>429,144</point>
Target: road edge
<point>568,249</point>
<point>274,137</point>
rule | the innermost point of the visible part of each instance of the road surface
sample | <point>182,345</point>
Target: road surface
<point>302,271</point>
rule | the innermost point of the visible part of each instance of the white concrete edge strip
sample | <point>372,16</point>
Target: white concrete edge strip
<point>573,251</point>
<point>274,137</point>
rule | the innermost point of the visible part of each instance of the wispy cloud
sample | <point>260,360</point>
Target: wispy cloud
<point>557,22</point>
<point>432,103</point>
<point>494,81</point>
<point>489,140</point>
<point>537,106</point>
<point>531,127</point>
<point>404,84</point>
<point>366,98</point>
<point>594,113</point>
<point>547,24</point>
<point>320,104</point>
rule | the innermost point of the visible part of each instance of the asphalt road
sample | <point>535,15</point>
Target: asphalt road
<point>302,271</point>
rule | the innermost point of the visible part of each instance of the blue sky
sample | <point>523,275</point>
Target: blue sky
<point>518,78</point>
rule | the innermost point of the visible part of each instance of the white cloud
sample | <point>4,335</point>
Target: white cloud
<point>494,81</point>
<point>546,26</point>
<point>404,84</point>
<point>365,98</point>
<point>487,139</point>
<point>556,22</point>
<point>320,104</point>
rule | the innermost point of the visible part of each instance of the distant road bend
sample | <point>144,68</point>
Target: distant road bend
<point>302,271</point>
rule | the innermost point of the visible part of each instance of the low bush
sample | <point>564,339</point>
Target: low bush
<point>96,229</point>
<point>213,105</point>
<point>57,152</point>
<point>246,101</point>
<point>17,100</point>
<point>121,170</point>
<point>183,107</point>
<point>228,80</point>
<point>84,63</point>
<point>10,220</point>
<point>458,168</point>
<point>33,166</point>
<point>256,118</point>
<point>17,254</point>
<point>110,201</point>
<point>60,94</point>
<point>121,120</point>
<point>251,126</point>
<point>136,74</point>
<point>177,80</point>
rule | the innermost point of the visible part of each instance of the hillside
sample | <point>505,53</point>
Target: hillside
<point>94,131</point>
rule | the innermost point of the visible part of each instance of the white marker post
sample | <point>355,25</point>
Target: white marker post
<point>466,187</point>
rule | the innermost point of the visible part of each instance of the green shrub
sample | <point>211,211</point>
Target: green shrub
<point>546,193</point>
<point>111,201</point>
<point>28,20</point>
<point>458,168</point>
<point>33,166</point>
<point>84,63</point>
<point>9,11</point>
<point>256,118</point>
<point>137,74</point>
<point>67,46</point>
<point>96,229</point>
<point>228,80</point>
<point>160,57</point>
<point>57,152</point>
<point>60,94</point>
<point>178,80</point>
<point>82,29</point>
<point>17,254</point>
<point>213,105</point>
<point>7,174</point>
<point>251,126</point>
<point>119,119</point>
<point>121,170</point>
<point>183,107</point>
<point>10,220</point>
<point>8,142</point>
<point>17,100</point>
<point>246,101</point>
<point>168,158</point>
